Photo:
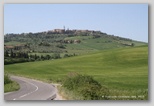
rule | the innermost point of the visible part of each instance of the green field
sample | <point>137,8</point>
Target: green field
<point>13,43</point>
<point>121,70</point>
<point>89,45</point>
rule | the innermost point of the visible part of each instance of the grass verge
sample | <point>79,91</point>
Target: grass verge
<point>10,85</point>
<point>14,86</point>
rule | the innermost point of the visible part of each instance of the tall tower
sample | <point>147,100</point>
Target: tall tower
<point>64,28</point>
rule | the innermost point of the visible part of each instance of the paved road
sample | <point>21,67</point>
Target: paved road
<point>31,90</point>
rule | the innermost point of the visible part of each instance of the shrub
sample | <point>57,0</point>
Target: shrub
<point>85,86</point>
<point>61,46</point>
<point>7,79</point>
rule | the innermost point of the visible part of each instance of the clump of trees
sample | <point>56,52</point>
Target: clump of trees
<point>20,57</point>
<point>69,55</point>
<point>44,44</point>
<point>61,46</point>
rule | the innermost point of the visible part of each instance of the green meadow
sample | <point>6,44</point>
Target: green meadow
<point>122,70</point>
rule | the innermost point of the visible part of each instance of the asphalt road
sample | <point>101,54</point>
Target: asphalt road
<point>31,90</point>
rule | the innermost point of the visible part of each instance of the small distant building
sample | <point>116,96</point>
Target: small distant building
<point>17,47</point>
<point>59,30</point>
<point>77,41</point>
<point>8,47</point>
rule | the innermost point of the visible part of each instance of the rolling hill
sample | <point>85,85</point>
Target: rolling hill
<point>121,69</point>
<point>120,64</point>
<point>65,42</point>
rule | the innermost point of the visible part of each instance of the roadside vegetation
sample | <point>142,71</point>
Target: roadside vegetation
<point>82,87</point>
<point>10,85</point>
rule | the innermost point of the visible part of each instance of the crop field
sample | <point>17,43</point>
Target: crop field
<point>122,70</point>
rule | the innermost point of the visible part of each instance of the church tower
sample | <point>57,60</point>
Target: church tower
<point>64,28</point>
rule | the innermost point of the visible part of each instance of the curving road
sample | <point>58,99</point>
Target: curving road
<point>31,90</point>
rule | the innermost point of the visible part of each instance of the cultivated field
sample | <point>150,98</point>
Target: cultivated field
<point>123,71</point>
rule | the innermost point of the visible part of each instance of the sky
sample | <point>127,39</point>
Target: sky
<point>125,20</point>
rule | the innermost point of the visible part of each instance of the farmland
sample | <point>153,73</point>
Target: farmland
<point>121,70</point>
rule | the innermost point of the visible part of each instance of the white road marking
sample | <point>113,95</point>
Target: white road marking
<point>29,92</point>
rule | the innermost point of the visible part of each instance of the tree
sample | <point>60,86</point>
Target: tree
<point>25,55</point>
<point>66,55</point>
<point>35,57</point>
<point>31,56</point>
<point>48,57</point>
<point>6,53</point>
<point>132,44</point>
<point>56,56</point>
<point>12,54</point>
<point>42,57</point>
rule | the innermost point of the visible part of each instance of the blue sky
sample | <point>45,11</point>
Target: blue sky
<point>125,20</point>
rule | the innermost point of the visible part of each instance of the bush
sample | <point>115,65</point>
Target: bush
<point>68,55</point>
<point>7,79</point>
<point>85,86</point>
<point>61,46</point>
<point>15,60</point>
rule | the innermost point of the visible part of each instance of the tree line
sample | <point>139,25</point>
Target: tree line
<point>19,57</point>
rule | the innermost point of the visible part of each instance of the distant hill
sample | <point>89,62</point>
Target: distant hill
<point>66,42</point>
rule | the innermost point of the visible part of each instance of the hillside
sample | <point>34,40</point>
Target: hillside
<point>63,42</point>
<point>119,69</point>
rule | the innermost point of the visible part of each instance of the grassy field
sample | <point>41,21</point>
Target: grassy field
<point>89,45</point>
<point>13,43</point>
<point>123,70</point>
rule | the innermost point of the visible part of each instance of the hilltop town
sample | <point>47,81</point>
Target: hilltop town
<point>68,31</point>
<point>75,31</point>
